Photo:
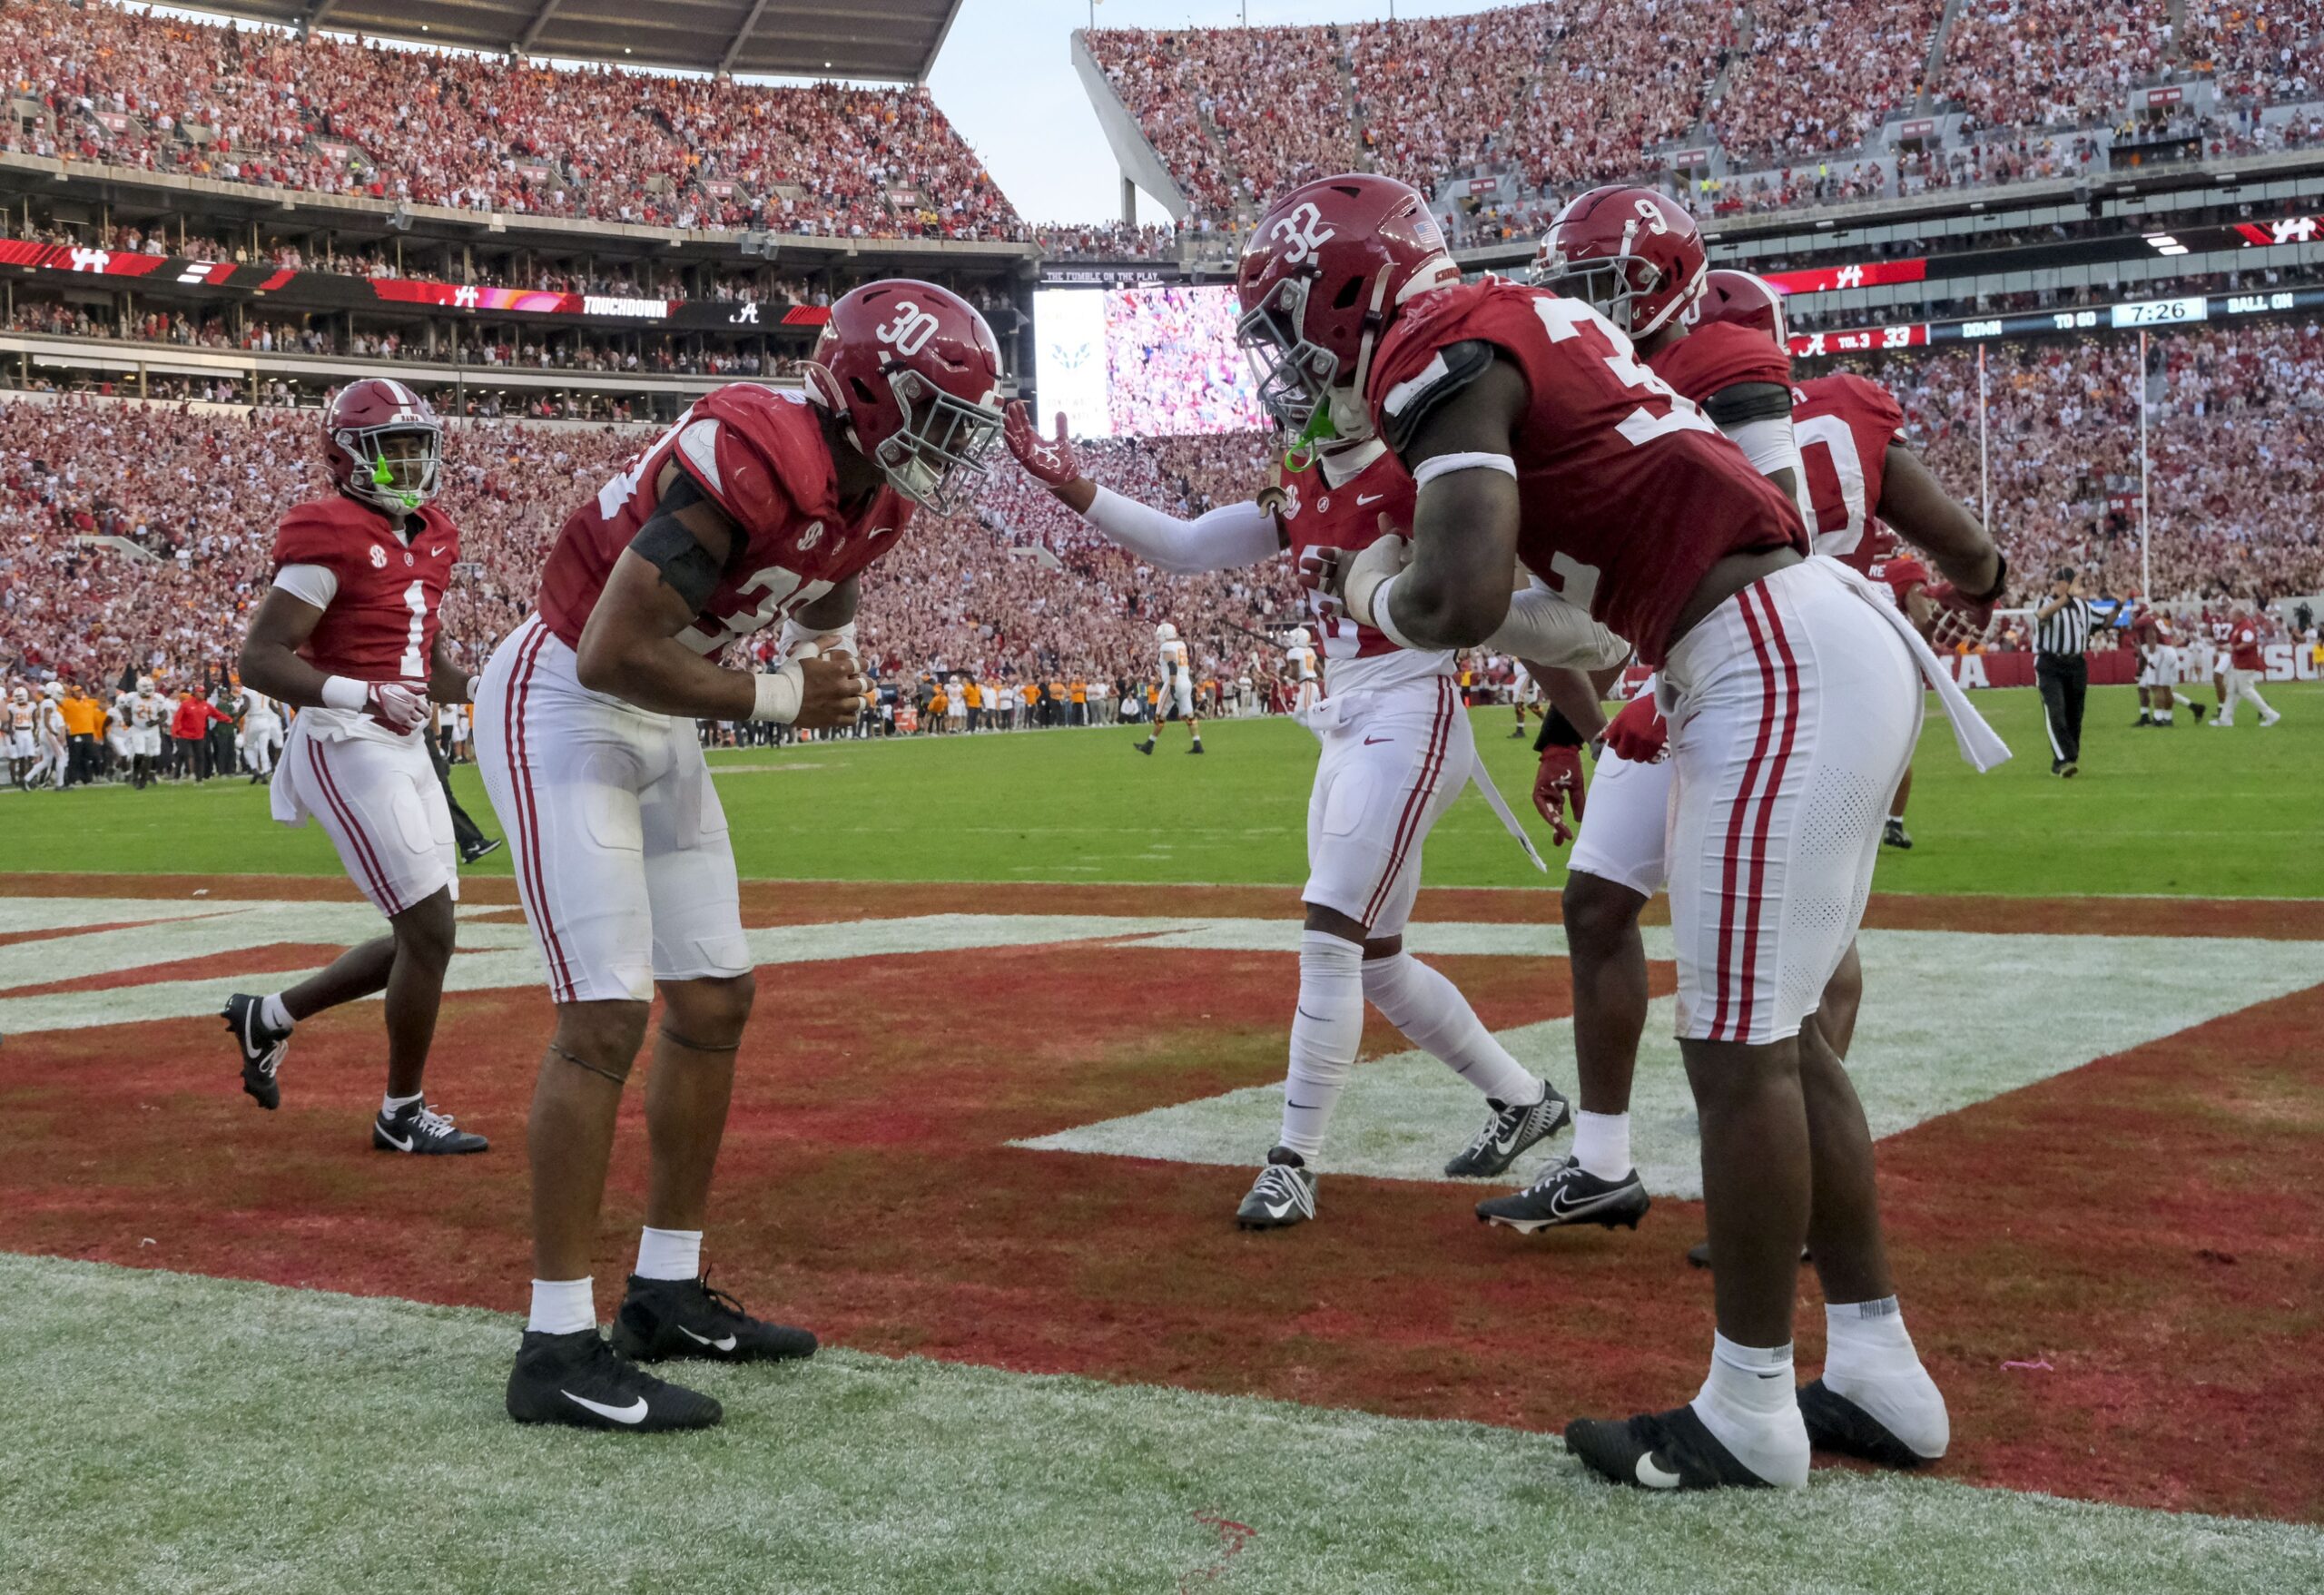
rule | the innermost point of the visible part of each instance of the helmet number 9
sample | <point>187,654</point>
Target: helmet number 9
<point>1651,214</point>
<point>908,333</point>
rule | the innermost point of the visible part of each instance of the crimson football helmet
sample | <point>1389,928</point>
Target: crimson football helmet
<point>914,373</point>
<point>1629,253</point>
<point>355,430</point>
<point>1747,301</point>
<point>1323,274</point>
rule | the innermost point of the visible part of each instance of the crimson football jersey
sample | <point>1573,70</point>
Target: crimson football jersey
<point>2243,640</point>
<point>1628,493</point>
<point>759,453</point>
<point>2147,631</point>
<point>1714,357</point>
<point>387,593</point>
<point>1317,514</point>
<point>1844,425</point>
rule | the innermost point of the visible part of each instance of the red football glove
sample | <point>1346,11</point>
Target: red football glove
<point>1638,732</point>
<point>1556,787</point>
<point>1958,619</point>
<point>1320,572</point>
<point>398,708</point>
<point>1049,460</point>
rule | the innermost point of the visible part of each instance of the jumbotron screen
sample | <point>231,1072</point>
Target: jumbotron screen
<point>1141,361</point>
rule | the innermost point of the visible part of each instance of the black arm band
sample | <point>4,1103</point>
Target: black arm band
<point>1747,401</point>
<point>665,544</point>
<point>1557,731</point>
<point>1462,364</point>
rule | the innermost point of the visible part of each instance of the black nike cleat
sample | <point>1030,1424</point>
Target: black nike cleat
<point>1509,1134</point>
<point>578,1380</point>
<point>262,1046</point>
<point>1659,1451</point>
<point>1567,1193</point>
<point>1146,747</point>
<point>2198,711</point>
<point>1283,1194</point>
<point>1196,749</point>
<point>1837,1423</point>
<point>1894,835</point>
<point>685,1318</point>
<point>482,849</point>
<point>424,1132</point>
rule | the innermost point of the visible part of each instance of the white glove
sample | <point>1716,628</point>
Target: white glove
<point>1367,573</point>
<point>398,708</point>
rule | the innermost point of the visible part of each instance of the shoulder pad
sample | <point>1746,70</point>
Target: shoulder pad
<point>319,533</point>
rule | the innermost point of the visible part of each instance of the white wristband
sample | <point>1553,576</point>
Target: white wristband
<point>474,682</point>
<point>1380,621</point>
<point>778,693</point>
<point>343,692</point>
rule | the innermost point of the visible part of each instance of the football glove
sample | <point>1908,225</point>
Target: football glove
<point>1638,732</point>
<point>1049,460</point>
<point>397,708</point>
<point>1557,786</point>
<point>1350,583</point>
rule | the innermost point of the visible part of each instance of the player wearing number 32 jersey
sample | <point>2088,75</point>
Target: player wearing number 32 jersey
<point>1535,435</point>
<point>351,633</point>
<point>758,508</point>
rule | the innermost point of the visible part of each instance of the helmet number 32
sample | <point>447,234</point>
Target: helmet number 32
<point>908,333</point>
<point>1304,235</point>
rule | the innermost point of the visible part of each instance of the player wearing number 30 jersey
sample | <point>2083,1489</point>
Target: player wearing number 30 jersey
<point>757,509</point>
<point>350,634</point>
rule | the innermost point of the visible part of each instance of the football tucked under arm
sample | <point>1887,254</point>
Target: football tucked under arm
<point>1226,539</point>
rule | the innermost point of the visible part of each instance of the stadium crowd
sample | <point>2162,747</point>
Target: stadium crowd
<point>250,105</point>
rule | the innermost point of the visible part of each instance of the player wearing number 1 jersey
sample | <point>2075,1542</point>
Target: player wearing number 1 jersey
<point>350,633</point>
<point>758,508</point>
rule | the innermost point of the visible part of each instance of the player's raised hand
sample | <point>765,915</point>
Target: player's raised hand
<point>1558,787</point>
<point>1638,732</point>
<point>1050,459</point>
<point>832,685</point>
<point>395,706</point>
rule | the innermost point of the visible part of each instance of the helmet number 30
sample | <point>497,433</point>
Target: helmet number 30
<point>1305,234</point>
<point>908,333</point>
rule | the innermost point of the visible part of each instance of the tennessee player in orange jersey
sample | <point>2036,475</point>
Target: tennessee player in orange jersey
<point>1397,750</point>
<point>758,508</point>
<point>351,633</point>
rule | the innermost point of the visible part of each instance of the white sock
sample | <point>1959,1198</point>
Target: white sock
<point>1325,1033</point>
<point>1602,1143</point>
<point>274,1015</point>
<point>563,1306</point>
<point>1869,1359</point>
<point>1751,1405</point>
<point>391,1106</point>
<point>669,1254</point>
<point>1434,1016</point>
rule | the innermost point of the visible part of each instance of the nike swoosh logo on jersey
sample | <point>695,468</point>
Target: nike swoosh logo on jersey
<point>633,1413</point>
<point>1361,500</point>
<point>724,1344</point>
<point>1651,1474</point>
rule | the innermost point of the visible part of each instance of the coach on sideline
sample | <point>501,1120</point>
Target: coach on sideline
<point>2062,668</point>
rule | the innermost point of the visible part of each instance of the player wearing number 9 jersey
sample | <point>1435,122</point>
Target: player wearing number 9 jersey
<point>758,507</point>
<point>1535,434</point>
<point>349,632</point>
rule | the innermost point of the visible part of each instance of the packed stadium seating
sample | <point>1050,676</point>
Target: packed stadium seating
<point>259,106</point>
<point>1567,93</point>
<point>1013,582</point>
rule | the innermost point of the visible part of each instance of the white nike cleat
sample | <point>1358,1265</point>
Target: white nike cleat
<point>1283,1194</point>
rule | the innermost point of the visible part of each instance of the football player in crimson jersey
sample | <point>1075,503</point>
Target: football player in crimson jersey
<point>1397,751</point>
<point>350,633</point>
<point>2245,666</point>
<point>2158,666</point>
<point>1534,434</point>
<point>758,508</point>
<point>1849,451</point>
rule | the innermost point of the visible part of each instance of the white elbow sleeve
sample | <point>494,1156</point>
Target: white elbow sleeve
<point>1543,628</point>
<point>1227,538</point>
<point>1769,444</point>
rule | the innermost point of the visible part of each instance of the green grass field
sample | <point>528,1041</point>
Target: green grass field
<point>988,1147</point>
<point>2189,812</point>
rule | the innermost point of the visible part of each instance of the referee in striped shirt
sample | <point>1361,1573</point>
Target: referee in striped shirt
<point>2061,668</point>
